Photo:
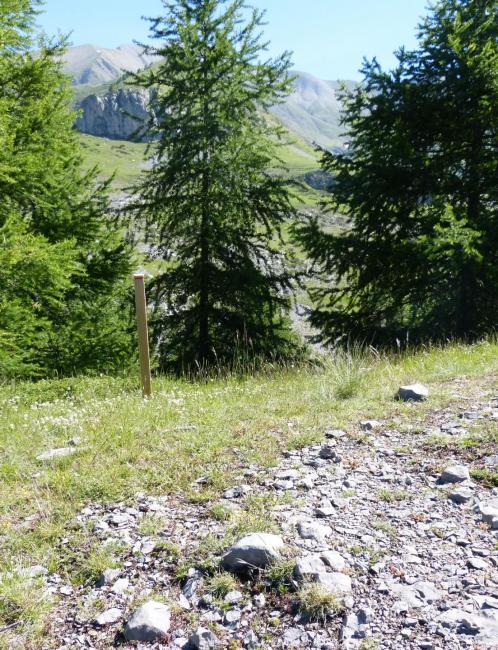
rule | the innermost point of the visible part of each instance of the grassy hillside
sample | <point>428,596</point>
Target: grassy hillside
<point>126,160</point>
<point>123,159</point>
<point>211,429</point>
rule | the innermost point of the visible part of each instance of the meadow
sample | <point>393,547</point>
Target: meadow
<point>209,428</point>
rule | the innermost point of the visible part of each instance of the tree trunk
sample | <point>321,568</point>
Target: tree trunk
<point>467,305</point>
<point>204,338</point>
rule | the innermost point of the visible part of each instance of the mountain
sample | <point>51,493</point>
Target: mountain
<point>93,65</point>
<point>312,111</point>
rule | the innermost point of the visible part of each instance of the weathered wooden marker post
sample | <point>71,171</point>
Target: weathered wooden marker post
<point>143,334</point>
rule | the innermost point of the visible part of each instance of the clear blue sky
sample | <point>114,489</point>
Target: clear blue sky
<point>328,37</point>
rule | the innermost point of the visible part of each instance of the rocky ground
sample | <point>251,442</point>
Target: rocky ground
<point>401,542</point>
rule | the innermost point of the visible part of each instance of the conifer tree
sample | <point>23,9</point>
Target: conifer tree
<point>211,208</point>
<point>46,200</point>
<point>419,184</point>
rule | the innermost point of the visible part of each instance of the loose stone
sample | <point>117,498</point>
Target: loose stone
<point>454,474</point>
<point>109,617</point>
<point>150,622</point>
<point>254,551</point>
<point>413,393</point>
<point>203,639</point>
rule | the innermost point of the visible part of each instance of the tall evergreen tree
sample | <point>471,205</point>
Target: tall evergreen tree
<point>419,184</point>
<point>211,208</point>
<point>47,200</point>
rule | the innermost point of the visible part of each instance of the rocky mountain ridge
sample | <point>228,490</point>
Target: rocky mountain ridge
<point>94,65</point>
<point>312,111</point>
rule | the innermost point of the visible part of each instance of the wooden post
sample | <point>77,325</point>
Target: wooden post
<point>143,334</point>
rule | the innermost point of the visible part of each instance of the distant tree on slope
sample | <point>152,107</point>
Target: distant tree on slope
<point>420,187</point>
<point>63,267</point>
<point>211,209</point>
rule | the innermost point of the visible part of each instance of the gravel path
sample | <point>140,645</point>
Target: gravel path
<point>402,534</point>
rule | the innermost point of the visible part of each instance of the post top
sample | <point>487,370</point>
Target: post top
<point>139,276</point>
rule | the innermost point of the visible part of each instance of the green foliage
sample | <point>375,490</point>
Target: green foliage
<point>221,584</point>
<point>318,603</point>
<point>418,184</point>
<point>63,308</point>
<point>34,275</point>
<point>212,210</point>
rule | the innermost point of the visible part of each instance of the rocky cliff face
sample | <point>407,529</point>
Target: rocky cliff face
<point>117,115</point>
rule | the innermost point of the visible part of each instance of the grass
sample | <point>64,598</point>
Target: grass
<point>125,160</point>
<point>120,157</point>
<point>391,496</point>
<point>221,584</point>
<point>213,428</point>
<point>318,603</point>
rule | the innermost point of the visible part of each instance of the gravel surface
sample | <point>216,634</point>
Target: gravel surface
<point>401,534</point>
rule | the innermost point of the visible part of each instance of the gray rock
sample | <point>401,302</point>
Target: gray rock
<point>251,640</point>
<point>36,571</point>
<point>477,563</point>
<point>259,601</point>
<point>311,530</point>
<point>184,603</point>
<point>121,586</point>
<point>413,393</point>
<point>461,495</point>
<point>306,483</point>
<point>477,626</point>
<point>254,551</point>
<point>369,425</point>
<point>489,513</point>
<point>108,577</point>
<point>63,452</point>
<point>333,560</point>
<point>336,583</point>
<point>233,597</point>
<point>203,639</point>
<point>491,461</point>
<point>414,596</point>
<point>353,627</point>
<point>232,618</point>
<point>233,493</point>
<point>115,114</point>
<point>293,637</point>
<point>192,583</point>
<point>328,452</point>
<point>109,617</point>
<point>150,622</point>
<point>309,566</point>
<point>454,474</point>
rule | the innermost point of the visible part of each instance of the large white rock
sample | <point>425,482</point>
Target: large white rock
<point>109,617</point>
<point>480,628</point>
<point>413,393</point>
<point>454,474</point>
<point>150,622</point>
<point>254,551</point>
<point>313,530</point>
<point>333,560</point>
<point>309,566</point>
<point>489,513</point>
<point>336,583</point>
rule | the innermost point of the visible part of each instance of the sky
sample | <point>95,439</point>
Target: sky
<point>328,38</point>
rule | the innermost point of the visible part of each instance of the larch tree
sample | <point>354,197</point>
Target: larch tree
<point>211,207</point>
<point>65,265</point>
<point>419,184</point>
